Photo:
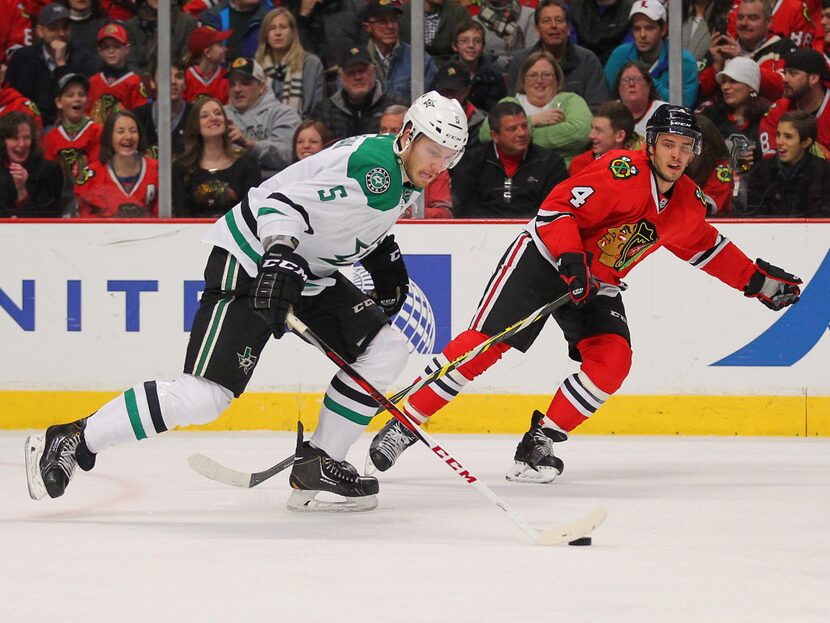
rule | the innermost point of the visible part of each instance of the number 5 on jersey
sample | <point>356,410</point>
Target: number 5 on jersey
<point>580,194</point>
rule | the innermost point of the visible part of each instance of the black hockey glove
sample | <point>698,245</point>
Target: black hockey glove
<point>575,272</point>
<point>385,265</point>
<point>773,286</point>
<point>278,286</point>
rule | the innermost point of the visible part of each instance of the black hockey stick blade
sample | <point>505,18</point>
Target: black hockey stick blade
<point>207,467</point>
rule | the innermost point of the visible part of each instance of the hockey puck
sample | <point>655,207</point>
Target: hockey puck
<point>586,540</point>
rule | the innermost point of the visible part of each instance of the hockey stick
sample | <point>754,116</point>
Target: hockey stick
<point>547,536</point>
<point>215,471</point>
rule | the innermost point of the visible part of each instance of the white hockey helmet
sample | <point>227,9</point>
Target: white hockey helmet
<point>440,118</point>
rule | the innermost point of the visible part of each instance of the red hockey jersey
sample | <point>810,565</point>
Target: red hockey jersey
<point>196,85</point>
<point>12,100</point>
<point>102,195</point>
<point>74,153</point>
<point>769,125</point>
<point>15,28</point>
<point>124,93</point>
<point>613,210</point>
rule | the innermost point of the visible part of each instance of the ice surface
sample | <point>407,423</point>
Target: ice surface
<point>700,529</point>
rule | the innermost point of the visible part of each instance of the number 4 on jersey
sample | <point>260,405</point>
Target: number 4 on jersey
<point>580,194</point>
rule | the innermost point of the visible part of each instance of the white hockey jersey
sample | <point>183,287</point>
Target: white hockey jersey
<point>339,204</point>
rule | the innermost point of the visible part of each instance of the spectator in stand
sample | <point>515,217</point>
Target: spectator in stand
<point>115,87</point>
<point>795,183</point>
<point>391,56</point>
<point>311,137</point>
<point>711,171</point>
<point>508,177</point>
<point>509,26</point>
<point>582,69</point>
<point>789,18</point>
<point>805,76</point>
<point>612,128</point>
<point>755,41</point>
<point>701,19</point>
<point>295,76</point>
<point>35,69</point>
<point>30,186</point>
<point>650,47</point>
<point>825,26</point>
<point>391,121</point>
<point>440,19</point>
<point>205,59</point>
<point>148,114</point>
<point>15,28</point>
<point>600,25</point>
<point>124,182</point>
<point>635,88</point>
<point>211,176</point>
<point>356,107</point>
<point>737,110</point>
<point>487,83</point>
<point>259,123</point>
<point>454,82</point>
<point>11,99</point>
<point>142,33</point>
<point>86,19</point>
<point>243,18</point>
<point>559,121</point>
<point>75,140</point>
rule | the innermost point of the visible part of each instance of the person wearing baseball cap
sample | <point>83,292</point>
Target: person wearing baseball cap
<point>357,106</point>
<point>650,47</point>
<point>805,88</point>
<point>260,124</point>
<point>115,87</point>
<point>205,75</point>
<point>35,69</point>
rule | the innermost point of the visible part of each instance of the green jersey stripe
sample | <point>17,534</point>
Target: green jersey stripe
<point>135,418</point>
<point>339,409</point>
<point>239,237</point>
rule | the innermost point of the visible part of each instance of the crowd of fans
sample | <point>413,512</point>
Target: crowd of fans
<point>548,86</point>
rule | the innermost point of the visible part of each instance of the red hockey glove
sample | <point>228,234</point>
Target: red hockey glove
<point>773,286</point>
<point>575,272</point>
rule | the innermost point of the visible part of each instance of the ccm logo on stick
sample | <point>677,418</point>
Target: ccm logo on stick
<point>449,460</point>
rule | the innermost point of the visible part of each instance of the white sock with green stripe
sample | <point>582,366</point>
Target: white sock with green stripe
<point>347,408</point>
<point>151,408</point>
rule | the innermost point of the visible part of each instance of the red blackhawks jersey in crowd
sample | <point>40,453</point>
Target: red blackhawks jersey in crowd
<point>103,195</point>
<point>73,152</point>
<point>196,85</point>
<point>613,210</point>
<point>15,28</point>
<point>790,18</point>
<point>12,100</point>
<point>106,96</point>
<point>769,124</point>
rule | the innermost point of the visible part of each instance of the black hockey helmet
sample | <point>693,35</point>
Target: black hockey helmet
<point>671,119</point>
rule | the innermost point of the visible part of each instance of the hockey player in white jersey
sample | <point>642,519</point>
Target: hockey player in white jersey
<point>280,250</point>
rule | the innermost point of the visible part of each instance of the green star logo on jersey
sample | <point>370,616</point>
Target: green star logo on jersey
<point>378,180</point>
<point>360,248</point>
<point>247,360</point>
<point>621,168</point>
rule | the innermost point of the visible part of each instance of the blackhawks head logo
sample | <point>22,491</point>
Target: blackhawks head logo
<point>378,180</point>
<point>621,168</point>
<point>623,245</point>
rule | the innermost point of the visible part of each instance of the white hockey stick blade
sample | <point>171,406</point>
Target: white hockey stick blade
<point>211,469</point>
<point>565,534</point>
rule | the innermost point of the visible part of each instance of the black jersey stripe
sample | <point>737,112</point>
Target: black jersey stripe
<point>151,391</point>
<point>297,207</point>
<point>573,392</point>
<point>353,394</point>
<point>248,216</point>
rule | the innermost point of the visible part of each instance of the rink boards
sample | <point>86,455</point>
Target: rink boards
<point>87,309</point>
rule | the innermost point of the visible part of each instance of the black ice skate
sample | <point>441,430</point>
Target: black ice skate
<point>51,458</point>
<point>388,445</point>
<point>316,472</point>
<point>534,458</point>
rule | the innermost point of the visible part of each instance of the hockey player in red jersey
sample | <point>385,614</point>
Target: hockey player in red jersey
<point>589,233</point>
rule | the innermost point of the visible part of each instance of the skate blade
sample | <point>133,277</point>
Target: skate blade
<point>522,472</point>
<point>305,501</point>
<point>33,451</point>
<point>369,467</point>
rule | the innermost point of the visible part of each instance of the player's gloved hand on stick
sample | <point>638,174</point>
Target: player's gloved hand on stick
<point>278,286</point>
<point>773,286</point>
<point>576,273</point>
<point>385,265</point>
